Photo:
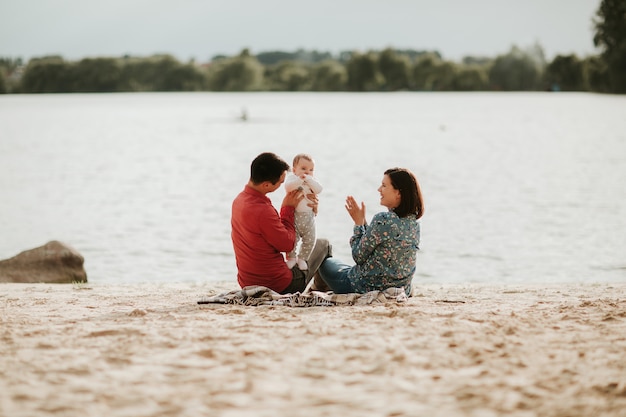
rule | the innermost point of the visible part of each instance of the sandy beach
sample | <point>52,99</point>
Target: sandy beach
<point>451,350</point>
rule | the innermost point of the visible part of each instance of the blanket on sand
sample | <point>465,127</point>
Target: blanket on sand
<point>257,295</point>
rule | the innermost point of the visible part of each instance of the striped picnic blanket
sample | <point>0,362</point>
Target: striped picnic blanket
<point>257,295</point>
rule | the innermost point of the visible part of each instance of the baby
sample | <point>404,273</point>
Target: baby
<point>302,177</point>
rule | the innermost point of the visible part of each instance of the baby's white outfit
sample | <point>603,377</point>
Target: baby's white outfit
<point>305,219</point>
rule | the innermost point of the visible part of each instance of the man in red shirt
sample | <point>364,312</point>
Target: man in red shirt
<point>260,235</point>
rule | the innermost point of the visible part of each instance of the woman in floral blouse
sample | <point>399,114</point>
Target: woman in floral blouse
<point>385,250</point>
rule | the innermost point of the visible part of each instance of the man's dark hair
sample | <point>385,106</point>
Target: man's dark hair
<point>267,167</point>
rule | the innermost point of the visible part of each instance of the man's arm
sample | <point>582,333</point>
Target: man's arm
<point>280,231</point>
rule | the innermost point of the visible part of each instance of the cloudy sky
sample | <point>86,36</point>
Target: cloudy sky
<point>200,29</point>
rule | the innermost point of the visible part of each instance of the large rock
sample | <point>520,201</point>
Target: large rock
<point>54,262</point>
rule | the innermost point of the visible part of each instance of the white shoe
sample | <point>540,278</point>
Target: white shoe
<point>302,265</point>
<point>291,262</point>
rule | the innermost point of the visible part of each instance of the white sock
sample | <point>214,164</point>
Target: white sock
<point>302,264</point>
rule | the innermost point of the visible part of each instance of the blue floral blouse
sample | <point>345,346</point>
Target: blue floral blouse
<point>385,252</point>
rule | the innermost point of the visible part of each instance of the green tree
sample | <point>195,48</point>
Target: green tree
<point>444,77</point>
<point>139,74</point>
<point>329,75</point>
<point>595,74</point>
<point>566,72</point>
<point>171,75</point>
<point>241,73</point>
<point>9,73</point>
<point>186,77</point>
<point>97,75</point>
<point>471,78</point>
<point>3,83</point>
<point>430,73</point>
<point>480,61</point>
<point>518,70</point>
<point>288,76</point>
<point>312,57</point>
<point>10,64</point>
<point>610,27</point>
<point>274,57</point>
<point>161,73</point>
<point>47,75</point>
<point>395,70</point>
<point>413,55</point>
<point>363,73</point>
<point>424,71</point>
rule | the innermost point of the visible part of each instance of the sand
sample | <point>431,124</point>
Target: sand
<point>452,350</point>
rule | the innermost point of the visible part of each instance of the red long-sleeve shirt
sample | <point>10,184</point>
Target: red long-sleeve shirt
<point>259,236</point>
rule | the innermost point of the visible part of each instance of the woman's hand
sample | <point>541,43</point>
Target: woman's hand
<point>356,212</point>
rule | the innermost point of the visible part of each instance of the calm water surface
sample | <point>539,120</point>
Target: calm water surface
<point>519,188</point>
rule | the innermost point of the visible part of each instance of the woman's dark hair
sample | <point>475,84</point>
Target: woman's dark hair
<point>267,167</point>
<point>411,201</point>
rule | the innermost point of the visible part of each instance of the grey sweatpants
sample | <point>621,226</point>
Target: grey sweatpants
<point>305,232</point>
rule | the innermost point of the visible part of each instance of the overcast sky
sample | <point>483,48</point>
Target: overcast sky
<point>200,29</point>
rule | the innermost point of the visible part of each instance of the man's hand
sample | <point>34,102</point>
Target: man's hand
<point>292,198</point>
<point>313,202</point>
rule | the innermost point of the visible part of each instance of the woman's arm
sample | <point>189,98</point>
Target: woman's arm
<point>367,238</point>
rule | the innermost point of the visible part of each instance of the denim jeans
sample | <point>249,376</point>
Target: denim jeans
<point>335,275</point>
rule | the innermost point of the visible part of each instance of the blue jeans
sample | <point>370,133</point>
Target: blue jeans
<point>335,275</point>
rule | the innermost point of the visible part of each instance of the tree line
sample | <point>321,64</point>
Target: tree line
<point>387,70</point>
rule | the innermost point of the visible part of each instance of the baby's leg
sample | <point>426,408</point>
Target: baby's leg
<point>307,233</point>
<point>292,255</point>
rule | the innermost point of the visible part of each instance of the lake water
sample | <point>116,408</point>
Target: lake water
<point>518,187</point>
